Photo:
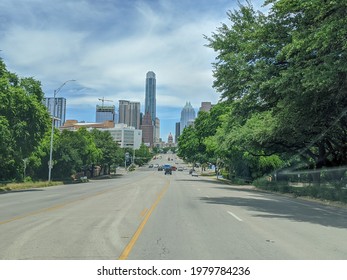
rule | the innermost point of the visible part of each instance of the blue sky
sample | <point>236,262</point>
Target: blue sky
<point>108,46</point>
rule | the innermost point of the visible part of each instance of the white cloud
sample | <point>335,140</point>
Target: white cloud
<point>108,47</point>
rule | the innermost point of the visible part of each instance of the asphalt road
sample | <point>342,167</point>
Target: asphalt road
<point>148,215</point>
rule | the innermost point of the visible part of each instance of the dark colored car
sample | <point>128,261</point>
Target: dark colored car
<point>167,169</point>
<point>160,168</point>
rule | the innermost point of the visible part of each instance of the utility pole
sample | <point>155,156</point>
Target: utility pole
<point>125,160</point>
<point>50,163</point>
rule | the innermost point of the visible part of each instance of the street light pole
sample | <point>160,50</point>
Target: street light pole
<point>50,163</point>
<point>134,153</point>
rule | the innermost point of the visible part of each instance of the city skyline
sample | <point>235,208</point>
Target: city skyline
<point>128,113</point>
<point>108,47</point>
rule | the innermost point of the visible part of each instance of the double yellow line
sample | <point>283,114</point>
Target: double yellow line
<point>124,255</point>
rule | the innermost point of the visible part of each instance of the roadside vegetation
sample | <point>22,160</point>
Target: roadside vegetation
<point>27,185</point>
<point>25,129</point>
<point>281,122</point>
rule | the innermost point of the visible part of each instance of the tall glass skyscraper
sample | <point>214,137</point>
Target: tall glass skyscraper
<point>150,100</point>
<point>60,109</point>
<point>187,116</point>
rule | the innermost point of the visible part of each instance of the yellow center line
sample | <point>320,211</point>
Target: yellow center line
<point>124,255</point>
<point>143,213</point>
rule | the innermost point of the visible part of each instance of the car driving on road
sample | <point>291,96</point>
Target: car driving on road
<point>167,169</point>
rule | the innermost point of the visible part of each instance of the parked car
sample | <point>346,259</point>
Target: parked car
<point>160,168</point>
<point>150,166</point>
<point>180,168</point>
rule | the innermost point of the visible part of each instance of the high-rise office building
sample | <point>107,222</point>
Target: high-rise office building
<point>206,106</point>
<point>60,109</point>
<point>187,116</point>
<point>134,108</point>
<point>123,115</point>
<point>129,113</point>
<point>105,113</point>
<point>157,131</point>
<point>177,131</point>
<point>147,128</point>
<point>150,98</point>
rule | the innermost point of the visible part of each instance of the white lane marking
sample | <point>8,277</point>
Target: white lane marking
<point>237,218</point>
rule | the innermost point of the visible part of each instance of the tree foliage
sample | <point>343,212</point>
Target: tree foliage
<point>283,77</point>
<point>24,120</point>
<point>142,155</point>
<point>192,142</point>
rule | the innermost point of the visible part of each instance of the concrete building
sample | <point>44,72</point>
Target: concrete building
<point>205,106</point>
<point>157,131</point>
<point>135,114</point>
<point>75,125</point>
<point>129,113</point>
<point>147,128</point>
<point>124,112</point>
<point>105,113</point>
<point>60,109</point>
<point>177,131</point>
<point>125,136</point>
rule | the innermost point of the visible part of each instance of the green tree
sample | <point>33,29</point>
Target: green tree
<point>74,151</point>
<point>188,145</point>
<point>314,84</point>
<point>109,149</point>
<point>142,155</point>
<point>284,75</point>
<point>192,143</point>
<point>24,120</point>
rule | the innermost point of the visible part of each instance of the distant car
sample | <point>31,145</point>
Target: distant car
<point>160,168</point>
<point>173,168</point>
<point>150,166</point>
<point>167,169</point>
<point>194,174</point>
<point>180,169</point>
<point>156,165</point>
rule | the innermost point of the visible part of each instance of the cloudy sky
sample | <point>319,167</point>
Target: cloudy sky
<point>108,46</point>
